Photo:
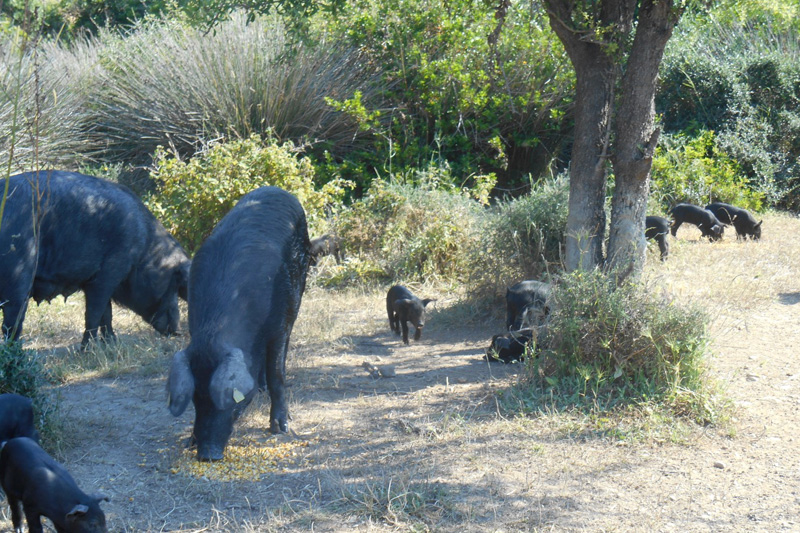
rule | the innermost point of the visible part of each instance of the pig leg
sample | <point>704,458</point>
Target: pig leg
<point>34,521</point>
<point>405,331</point>
<point>675,226</point>
<point>105,328</point>
<point>276,384</point>
<point>98,308</point>
<point>16,514</point>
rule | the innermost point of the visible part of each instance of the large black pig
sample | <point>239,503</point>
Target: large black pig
<point>95,236</point>
<point>32,479</point>
<point>245,288</point>
<point>16,417</point>
<point>704,219</point>
<point>742,220</point>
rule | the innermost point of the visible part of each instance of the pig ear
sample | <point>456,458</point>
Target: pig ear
<point>231,381</point>
<point>426,301</point>
<point>180,385</point>
<point>402,303</point>
<point>757,225</point>
<point>77,511</point>
<point>99,497</point>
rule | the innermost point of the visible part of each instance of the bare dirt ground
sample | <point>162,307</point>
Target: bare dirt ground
<point>430,450</point>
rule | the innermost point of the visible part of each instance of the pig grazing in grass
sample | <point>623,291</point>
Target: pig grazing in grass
<point>741,219</point>
<point>245,288</point>
<point>704,219</point>
<point>403,307</point>
<point>39,485</point>
<point>326,245</point>
<point>657,229</point>
<point>64,232</point>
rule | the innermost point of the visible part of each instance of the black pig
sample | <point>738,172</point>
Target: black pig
<point>741,219</point>
<point>511,347</point>
<point>95,236</point>
<point>404,307</point>
<point>16,417</point>
<point>704,219</point>
<point>326,245</point>
<point>245,288</point>
<point>43,487</point>
<point>657,228</point>
<point>524,299</point>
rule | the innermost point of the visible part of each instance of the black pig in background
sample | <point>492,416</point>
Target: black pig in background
<point>741,219</point>
<point>94,236</point>
<point>704,219</point>
<point>403,307</point>
<point>16,417</point>
<point>657,229</point>
<point>42,487</point>
<point>245,288</point>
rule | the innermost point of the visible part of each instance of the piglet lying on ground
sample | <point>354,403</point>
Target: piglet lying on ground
<point>403,307</point>
<point>657,228</point>
<point>16,417</point>
<point>704,219</point>
<point>511,347</point>
<point>741,219</point>
<point>43,487</point>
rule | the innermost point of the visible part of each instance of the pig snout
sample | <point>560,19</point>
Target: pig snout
<point>209,452</point>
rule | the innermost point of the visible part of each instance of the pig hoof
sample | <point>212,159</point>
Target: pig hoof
<point>279,426</point>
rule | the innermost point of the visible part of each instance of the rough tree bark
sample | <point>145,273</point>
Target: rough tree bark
<point>612,120</point>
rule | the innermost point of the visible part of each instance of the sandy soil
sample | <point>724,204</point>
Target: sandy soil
<point>429,449</point>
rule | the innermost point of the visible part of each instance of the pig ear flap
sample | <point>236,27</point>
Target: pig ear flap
<point>401,303</point>
<point>180,384</point>
<point>231,381</point>
<point>426,301</point>
<point>759,224</point>
<point>97,497</point>
<point>78,511</point>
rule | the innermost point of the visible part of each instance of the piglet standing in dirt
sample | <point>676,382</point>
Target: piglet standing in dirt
<point>245,288</point>
<point>704,219</point>
<point>526,301</point>
<point>33,481</point>
<point>64,232</point>
<point>16,417</point>
<point>657,229</point>
<point>404,307</point>
<point>741,219</point>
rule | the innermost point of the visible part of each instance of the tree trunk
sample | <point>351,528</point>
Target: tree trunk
<point>636,137</point>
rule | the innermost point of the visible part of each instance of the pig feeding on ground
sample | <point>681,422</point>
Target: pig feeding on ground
<point>526,301</point>
<point>245,288</point>
<point>657,229</point>
<point>63,232</point>
<point>16,417</point>
<point>741,219</point>
<point>42,487</point>
<point>511,347</point>
<point>403,307</point>
<point>704,219</point>
<point>326,245</point>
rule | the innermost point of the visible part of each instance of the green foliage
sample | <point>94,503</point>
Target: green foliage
<point>450,91</point>
<point>605,345</point>
<point>191,197</point>
<point>417,230</point>
<point>696,170</point>
<point>522,237</point>
<point>739,76</point>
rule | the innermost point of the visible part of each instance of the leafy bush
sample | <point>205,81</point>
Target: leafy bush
<point>605,344</point>
<point>696,170</point>
<point>191,197</point>
<point>522,237</point>
<point>416,230</point>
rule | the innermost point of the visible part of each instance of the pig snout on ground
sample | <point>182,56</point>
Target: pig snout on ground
<point>245,288</point>
<point>526,301</point>
<point>741,219</point>
<point>36,484</point>
<point>16,417</point>
<point>657,229</point>
<point>704,219</point>
<point>403,307</point>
